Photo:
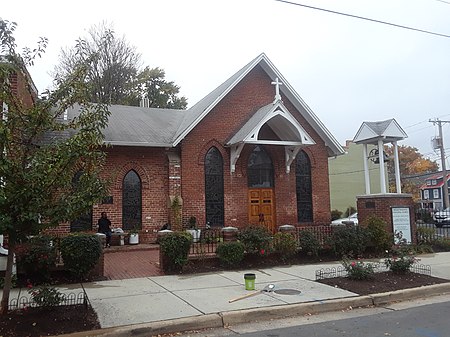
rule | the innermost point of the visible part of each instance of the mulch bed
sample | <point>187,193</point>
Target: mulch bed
<point>383,282</point>
<point>35,322</point>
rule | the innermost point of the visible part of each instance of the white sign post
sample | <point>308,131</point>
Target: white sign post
<point>401,223</point>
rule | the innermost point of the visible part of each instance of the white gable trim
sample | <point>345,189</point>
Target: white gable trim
<point>335,148</point>
<point>280,110</point>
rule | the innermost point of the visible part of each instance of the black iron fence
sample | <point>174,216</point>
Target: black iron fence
<point>206,243</point>
<point>378,267</point>
<point>23,300</point>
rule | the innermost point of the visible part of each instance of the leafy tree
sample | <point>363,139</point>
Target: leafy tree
<point>40,154</point>
<point>115,76</point>
<point>160,93</point>
<point>411,162</point>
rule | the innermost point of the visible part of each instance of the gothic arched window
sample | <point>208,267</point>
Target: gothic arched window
<point>131,201</point>
<point>214,199</point>
<point>84,221</point>
<point>303,187</point>
<point>259,169</point>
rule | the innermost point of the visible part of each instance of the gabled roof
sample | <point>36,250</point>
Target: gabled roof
<point>388,130</point>
<point>138,126</point>
<point>435,177</point>
<point>203,107</point>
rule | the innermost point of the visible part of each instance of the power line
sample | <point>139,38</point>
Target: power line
<point>446,2</point>
<point>364,18</point>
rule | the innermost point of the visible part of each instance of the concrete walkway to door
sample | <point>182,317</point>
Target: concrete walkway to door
<point>126,262</point>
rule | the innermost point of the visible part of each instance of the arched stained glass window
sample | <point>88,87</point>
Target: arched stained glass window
<point>84,221</point>
<point>303,187</point>
<point>131,201</point>
<point>214,198</point>
<point>259,169</point>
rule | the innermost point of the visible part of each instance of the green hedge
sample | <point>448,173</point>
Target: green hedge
<point>80,253</point>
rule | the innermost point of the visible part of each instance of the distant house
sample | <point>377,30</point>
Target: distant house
<point>347,177</point>
<point>432,191</point>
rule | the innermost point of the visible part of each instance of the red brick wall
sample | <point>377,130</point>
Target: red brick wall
<point>151,164</point>
<point>217,127</point>
<point>380,205</point>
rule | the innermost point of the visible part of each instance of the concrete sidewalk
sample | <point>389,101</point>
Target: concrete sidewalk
<point>161,304</point>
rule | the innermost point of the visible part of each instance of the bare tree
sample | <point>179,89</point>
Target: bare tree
<point>114,65</point>
<point>116,75</point>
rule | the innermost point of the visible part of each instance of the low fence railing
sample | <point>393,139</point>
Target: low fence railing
<point>207,242</point>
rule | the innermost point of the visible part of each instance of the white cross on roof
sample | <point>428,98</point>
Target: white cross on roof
<point>277,84</point>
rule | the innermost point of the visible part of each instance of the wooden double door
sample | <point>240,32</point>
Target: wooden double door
<point>261,207</point>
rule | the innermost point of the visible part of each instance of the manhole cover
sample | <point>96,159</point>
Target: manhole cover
<point>287,291</point>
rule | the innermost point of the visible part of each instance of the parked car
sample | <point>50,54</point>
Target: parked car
<point>353,217</point>
<point>442,218</point>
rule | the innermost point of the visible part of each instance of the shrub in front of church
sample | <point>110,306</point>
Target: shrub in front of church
<point>256,239</point>
<point>284,245</point>
<point>379,238</point>
<point>230,254</point>
<point>80,253</point>
<point>350,241</point>
<point>37,256</point>
<point>308,243</point>
<point>175,250</point>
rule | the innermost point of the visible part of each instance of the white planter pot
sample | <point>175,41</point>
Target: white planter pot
<point>134,239</point>
<point>195,234</point>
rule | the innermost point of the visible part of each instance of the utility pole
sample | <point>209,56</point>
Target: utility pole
<point>444,170</point>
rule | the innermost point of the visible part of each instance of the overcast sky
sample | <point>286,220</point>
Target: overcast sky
<point>347,70</point>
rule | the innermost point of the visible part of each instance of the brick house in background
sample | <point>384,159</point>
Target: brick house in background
<point>251,151</point>
<point>23,90</point>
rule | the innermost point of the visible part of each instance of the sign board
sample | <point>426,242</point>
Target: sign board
<point>401,223</point>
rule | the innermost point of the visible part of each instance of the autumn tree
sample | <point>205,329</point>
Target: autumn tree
<point>115,76</point>
<point>411,163</point>
<point>40,152</point>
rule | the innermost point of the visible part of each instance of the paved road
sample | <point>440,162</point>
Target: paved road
<point>417,318</point>
<point>424,321</point>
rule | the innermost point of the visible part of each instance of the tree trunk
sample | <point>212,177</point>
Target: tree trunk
<point>8,280</point>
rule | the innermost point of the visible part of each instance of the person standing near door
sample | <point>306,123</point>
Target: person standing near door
<point>104,226</point>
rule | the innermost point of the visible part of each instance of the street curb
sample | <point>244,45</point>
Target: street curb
<point>408,294</point>
<point>289,310</point>
<point>226,318</point>
<point>155,328</point>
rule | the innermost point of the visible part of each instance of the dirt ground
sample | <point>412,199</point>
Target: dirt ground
<point>35,322</point>
<point>383,282</point>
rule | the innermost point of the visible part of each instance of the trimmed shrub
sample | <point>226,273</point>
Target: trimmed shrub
<point>37,256</point>
<point>285,245</point>
<point>175,249</point>
<point>256,239</point>
<point>309,243</point>
<point>350,241</point>
<point>379,239</point>
<point>80,253</point>
<point>230,253</point>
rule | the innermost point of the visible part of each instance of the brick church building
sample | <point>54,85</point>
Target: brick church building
<point>249,152</point>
